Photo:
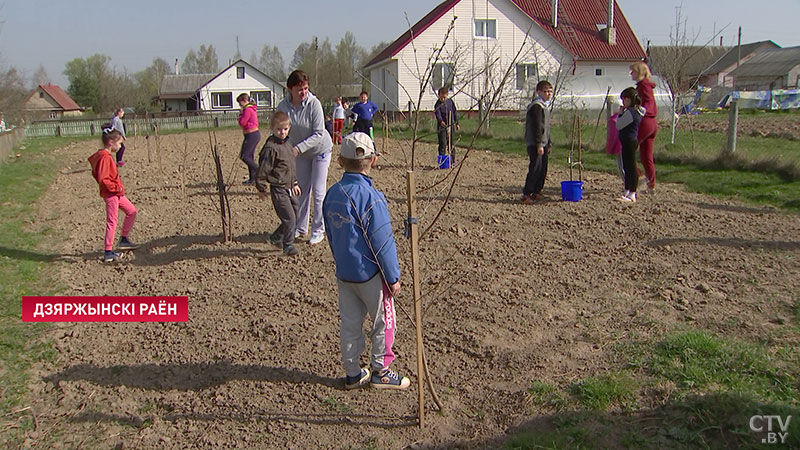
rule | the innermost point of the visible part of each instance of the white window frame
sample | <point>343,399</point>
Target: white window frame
<point>443,75</point>
<point>525,83</point>
<point>237,72</point>
<point>483,30</point>
<point>266,103</point>
<point>215,97</point>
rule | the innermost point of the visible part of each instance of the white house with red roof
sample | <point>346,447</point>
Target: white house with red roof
<point>584,47</point>
<point>218,91</point>
<point>51,101</point>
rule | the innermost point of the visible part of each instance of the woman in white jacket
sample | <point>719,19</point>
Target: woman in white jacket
<point>312,145</point>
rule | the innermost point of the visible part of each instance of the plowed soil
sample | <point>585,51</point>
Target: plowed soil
<point>513,294</point>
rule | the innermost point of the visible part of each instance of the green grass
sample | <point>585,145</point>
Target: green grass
<point>698,361</point>
<point>764,171</point>
<point>604,391</point>
<point>710,386</point>
<point>23,271</point>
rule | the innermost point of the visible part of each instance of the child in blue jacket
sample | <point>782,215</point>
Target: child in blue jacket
<point>367,270</point>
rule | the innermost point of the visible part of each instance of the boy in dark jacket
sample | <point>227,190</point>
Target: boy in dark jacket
<point>446,120</point>
<point>276,169</point>
<point>537,140</point>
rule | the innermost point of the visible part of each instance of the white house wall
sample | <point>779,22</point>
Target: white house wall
<point>384,88</point>
<point>469,53</point>
<point>227,82</point>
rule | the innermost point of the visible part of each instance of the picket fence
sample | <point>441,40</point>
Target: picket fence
<point>140,125</point>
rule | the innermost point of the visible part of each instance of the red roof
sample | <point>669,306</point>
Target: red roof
<point>64,101</point>
<point>415,30</point>
<point>582,16</point>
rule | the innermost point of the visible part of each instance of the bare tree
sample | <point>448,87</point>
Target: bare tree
<point>270,61</point>
<point>40,77</point>
<point>672,63</point>
<point>203,61</point>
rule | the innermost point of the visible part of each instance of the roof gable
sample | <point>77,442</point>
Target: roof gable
<point>404,39</point>
<point>60,97</point>
<point>582,16</point>
<point>187,85</point>
<point>250,67</point>
<point>729,59</point>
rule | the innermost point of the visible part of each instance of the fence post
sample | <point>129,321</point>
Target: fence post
<point>733,123</point>
<point>58,130</point>
<point>186,123</point>
<point>91,129</point>
<point>216,122</point>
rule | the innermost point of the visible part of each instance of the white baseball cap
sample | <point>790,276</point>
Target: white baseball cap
<point>357,146</point>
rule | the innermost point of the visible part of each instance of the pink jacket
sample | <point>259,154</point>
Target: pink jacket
<point>248,118</point>
<point>613,145</point>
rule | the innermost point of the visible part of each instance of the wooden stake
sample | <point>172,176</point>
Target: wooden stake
<point>733,123</point>
<point>414,233</point>
<point>580,145</point>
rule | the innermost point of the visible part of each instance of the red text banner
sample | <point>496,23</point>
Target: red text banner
<point>105,309</point>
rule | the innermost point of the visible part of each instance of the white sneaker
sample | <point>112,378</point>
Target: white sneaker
<point>298,233</point>
<point>630,198</point>
<point>316,238</point>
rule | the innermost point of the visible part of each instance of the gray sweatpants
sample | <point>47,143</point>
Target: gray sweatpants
<point>312,176</point>
<point>356,300</point>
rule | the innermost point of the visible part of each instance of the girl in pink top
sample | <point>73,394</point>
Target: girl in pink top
<point>248,120</point>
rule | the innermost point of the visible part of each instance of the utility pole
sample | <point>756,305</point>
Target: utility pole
<point>316,62</point>
<point>738,54</point>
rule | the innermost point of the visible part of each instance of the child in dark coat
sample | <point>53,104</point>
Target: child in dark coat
<point>537,140</point>
<point>276,170</point>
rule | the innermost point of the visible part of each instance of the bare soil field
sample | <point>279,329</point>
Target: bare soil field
<point>513,294</point>
<point>785,126</point>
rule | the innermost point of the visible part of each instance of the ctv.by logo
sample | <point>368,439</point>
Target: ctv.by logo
<point>757,424</point>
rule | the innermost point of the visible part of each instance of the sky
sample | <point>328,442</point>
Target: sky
<point>134,32</point>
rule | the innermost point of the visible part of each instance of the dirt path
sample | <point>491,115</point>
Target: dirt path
<point>514,293</point>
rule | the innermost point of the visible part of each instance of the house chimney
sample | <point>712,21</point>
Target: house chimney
<point>176,66</point>
<point>554,15</point>
<point>610,31</point>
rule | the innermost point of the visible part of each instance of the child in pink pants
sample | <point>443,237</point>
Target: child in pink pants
<point>104,170</point>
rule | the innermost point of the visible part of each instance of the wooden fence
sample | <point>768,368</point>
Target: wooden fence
<point>9,140</point>
<point>140,125</point>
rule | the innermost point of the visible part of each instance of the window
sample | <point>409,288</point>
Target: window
<point>442,76</point>
<point>262,99</point>
<point>240,73</point>
<point>222,99</point>
<point>486,28</point>
<point>598,71</point>
<point>527,76</point>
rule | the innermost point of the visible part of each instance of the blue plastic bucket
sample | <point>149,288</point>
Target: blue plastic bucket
<point>572,191</point>
<point>443,161</point>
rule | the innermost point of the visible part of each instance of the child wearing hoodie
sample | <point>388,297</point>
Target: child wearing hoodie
<point>628,122</point>
<point>104,170</point>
